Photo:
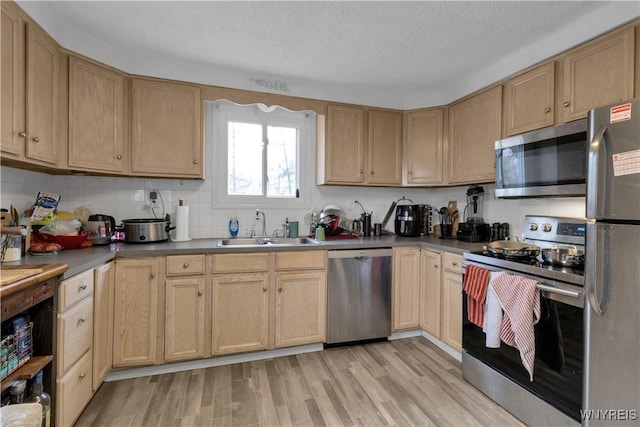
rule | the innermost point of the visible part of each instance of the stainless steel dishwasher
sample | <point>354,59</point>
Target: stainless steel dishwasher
<point>358,295</point>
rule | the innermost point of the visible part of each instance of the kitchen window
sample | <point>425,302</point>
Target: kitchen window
<point>261,154</point>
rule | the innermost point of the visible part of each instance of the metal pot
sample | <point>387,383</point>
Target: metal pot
<point>511,249</point>
<point>146,230</point>
<point>333,220</point>
<point>564,255</point>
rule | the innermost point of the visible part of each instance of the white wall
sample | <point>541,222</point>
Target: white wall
<point>125,198</point>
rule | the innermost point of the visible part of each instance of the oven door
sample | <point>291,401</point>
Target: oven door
<point>557,375</point>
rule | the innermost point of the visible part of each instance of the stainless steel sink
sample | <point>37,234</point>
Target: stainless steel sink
<point>265,241</point>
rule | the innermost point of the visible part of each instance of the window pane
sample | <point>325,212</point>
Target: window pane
<point>244,159</point>
<point>282,157</point>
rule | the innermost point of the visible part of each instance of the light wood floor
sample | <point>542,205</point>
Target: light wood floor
<point>407,382</point>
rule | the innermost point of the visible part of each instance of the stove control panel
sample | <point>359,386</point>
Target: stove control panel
<point>554,229</point>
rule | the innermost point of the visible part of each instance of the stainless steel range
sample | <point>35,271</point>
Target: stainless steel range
<point>554,396</point>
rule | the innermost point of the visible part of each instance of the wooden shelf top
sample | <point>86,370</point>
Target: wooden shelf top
<point>27,371</point>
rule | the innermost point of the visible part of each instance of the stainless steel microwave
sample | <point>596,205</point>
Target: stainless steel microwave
<point>549,162</point>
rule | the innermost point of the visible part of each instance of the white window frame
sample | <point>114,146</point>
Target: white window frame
<point>220,112</point>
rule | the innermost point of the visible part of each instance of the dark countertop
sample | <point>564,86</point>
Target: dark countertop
<point>79,260</point>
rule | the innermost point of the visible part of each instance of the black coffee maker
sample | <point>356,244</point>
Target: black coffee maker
<point>474,229</point>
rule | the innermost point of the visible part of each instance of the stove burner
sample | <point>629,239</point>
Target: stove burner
<point>535,262</point>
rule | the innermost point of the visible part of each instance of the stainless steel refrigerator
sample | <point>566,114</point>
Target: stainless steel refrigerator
<point>612,267</point>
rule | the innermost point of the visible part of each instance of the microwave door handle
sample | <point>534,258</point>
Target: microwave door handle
<point>594,272</point>
<point>498,166</point>
<point>595,166</point>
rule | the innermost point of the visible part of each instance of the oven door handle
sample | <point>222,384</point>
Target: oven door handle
<point>554,290</point>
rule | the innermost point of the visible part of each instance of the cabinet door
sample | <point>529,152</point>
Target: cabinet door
<point>384,147</point>
<point>406,288</point>
<point>12,86</point>
<point>135,335</point>
<point>423,146</point>
<point>166,135</point>
<point>451,332</point>
<point>75,334</point>
<point>184,318</point>
<point>430,285</point>
<point>474,126</point>
<point>344,151</point>
<point>42,96</point>
<point>73,392</point>
<point>240,312</point>
<point>301,306</point>
<point>597,74</point>
<point>96,117</point>
<point>529,99</point>
<point>103,322</point>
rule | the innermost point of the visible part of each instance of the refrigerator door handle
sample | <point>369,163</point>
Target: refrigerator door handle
<point>594,272</point>
<point>596,157</point>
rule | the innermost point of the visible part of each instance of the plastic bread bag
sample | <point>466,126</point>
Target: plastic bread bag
<point>62,228</point>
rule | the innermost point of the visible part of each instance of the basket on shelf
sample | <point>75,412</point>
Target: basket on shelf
<point>16,349</point>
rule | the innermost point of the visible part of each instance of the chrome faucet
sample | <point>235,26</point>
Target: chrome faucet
<point>264,221</point>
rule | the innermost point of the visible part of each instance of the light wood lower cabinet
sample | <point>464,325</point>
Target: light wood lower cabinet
<point>74,347</point>
<point>240,312</point>
<point>430,291</point>
<point>301,299</point>
<point>185,319</point>
<point>104,281</point>
<point>451,329</point>
<point>135,326</point>
<point>406,288</point>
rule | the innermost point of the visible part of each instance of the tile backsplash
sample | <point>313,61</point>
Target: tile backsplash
<point>126,198</point>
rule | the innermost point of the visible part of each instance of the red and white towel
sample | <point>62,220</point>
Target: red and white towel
<point>520,300</point>
<point>476,280</point>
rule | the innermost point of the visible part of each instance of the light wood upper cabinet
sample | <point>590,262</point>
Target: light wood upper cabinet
<point>240,312</point>
<point>474,126</point>
<point>104,282</point>
<point>384,148</point>
<point>529,100</point>
<point>342,157</point>
<point>137,296</point>
<point>406,288</point>
<point>430,291</point>
<point>42,97</point>
<point>166,131</point>
<point>96,118</point>
<point>597,73</point>
<point>423,146</point>
<point>637,64</point>
<point>12,82</point>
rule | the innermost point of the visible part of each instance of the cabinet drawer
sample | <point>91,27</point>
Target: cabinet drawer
<point>75,288</point>
<point>182,265</point>
<point>74,391</point>
<point>301,260</point>
<point>75,334</point>
<point>452,262</point>
<point>240,263</point>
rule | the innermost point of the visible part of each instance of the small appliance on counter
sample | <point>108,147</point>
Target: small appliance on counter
<point>101,228</point>
<point>412,220</point>
<point>474,229</point>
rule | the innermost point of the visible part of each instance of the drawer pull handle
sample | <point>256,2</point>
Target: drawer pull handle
<point>566,104</point>
<point>82,375</point>
<point>83,287</point>
<point>185,265</point>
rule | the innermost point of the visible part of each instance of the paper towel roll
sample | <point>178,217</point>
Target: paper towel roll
<point>182,224</point>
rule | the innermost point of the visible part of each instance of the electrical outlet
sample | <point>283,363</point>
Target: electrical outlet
<point>153,196</point>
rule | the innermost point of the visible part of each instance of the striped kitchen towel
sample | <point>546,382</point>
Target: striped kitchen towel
<point>476,280</point>
<point>520,300</point>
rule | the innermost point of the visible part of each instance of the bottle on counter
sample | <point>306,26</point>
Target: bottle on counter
<point>38,395</point>
<point>234,226</point>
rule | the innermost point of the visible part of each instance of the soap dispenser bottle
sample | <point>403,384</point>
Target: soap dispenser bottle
<point>234,226</point>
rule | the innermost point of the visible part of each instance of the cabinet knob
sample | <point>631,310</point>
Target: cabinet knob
<point>195,162</point>
<point>371,172</point>
<point>82,319</point>
<point>82,375</point>
<point>22,134</point>
<point>119,157</point>
<point>361,171</point>
<point>547,110</point>
<point>153,275</point>
<point>35,139</point>
<point>199,293</point>
<point>566,104</point>
<point>264,289</point>
<point>82,287</point>
<point>280,289</point>
<point>435,266</point>
<point>454,262</point>
<point>410,173</point>
<point>185,265</point>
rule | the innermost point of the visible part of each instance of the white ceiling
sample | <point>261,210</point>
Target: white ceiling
<point>395,54</point>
